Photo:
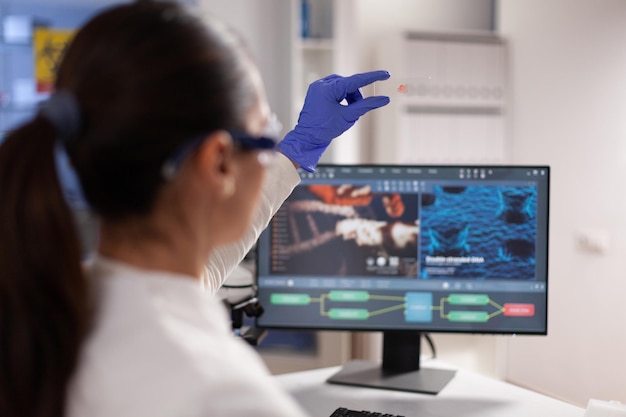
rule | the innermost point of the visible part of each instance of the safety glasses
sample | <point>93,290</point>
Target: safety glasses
<point>265,147</point>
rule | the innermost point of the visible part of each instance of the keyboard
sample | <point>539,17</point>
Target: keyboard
<point>345,412</point>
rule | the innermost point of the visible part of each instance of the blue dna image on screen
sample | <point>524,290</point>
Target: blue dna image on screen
<point>478,232</point>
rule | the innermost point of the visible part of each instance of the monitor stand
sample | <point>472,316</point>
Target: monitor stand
<point>400,369</point>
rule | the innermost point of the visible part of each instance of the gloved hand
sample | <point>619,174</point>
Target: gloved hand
<point>323,117</point>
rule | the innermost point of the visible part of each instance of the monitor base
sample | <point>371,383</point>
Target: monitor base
<point>371,375</point>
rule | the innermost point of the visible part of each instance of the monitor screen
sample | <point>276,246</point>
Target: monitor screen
<point>409,249</point>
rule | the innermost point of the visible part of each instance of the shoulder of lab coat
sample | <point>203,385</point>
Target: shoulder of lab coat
<point>161,346</point>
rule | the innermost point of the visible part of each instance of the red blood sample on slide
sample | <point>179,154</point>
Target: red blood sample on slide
<point>399,85</point>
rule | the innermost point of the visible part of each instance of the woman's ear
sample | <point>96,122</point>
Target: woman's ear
<point>214,163</point>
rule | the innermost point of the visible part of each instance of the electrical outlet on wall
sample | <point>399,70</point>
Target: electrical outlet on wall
<point>593,240</point>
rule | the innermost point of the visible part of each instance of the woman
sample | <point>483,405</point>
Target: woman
<point>162,118</point>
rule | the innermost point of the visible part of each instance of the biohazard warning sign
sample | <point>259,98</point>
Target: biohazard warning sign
<point>48,47</point>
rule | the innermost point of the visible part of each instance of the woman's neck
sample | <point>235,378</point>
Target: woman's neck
<point>146,247</point>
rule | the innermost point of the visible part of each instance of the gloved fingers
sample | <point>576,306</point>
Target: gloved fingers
<point>331,88</point>
<point>356,81</point>
<point>354,96</point>
<point>355,110</point>
<point>336,88</point>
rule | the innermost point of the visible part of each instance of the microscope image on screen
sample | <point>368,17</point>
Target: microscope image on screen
<point>321,226</point>
<point>478,232</point>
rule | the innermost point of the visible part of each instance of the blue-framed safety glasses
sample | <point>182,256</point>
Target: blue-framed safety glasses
<point>242,141</point>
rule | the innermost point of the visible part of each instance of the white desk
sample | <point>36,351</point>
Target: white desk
<point>467,395</point>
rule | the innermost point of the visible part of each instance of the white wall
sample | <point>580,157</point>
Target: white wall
<point>569,111</point>
<point>375,20</point>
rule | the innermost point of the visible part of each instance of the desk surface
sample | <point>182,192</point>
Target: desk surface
<point>467,394</point>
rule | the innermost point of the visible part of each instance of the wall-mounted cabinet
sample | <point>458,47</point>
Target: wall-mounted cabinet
<point>449,94</point>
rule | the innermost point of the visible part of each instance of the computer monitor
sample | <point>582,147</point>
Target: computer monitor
<point>408,250</point>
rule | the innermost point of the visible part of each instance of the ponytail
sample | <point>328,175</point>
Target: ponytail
<point>43,291</point>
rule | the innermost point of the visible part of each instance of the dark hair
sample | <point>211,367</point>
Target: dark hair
<point>147,77</point>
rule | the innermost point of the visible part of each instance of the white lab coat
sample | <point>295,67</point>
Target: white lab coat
<point>162,345</point>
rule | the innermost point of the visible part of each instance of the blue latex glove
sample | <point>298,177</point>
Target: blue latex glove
<point>323,117</point>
